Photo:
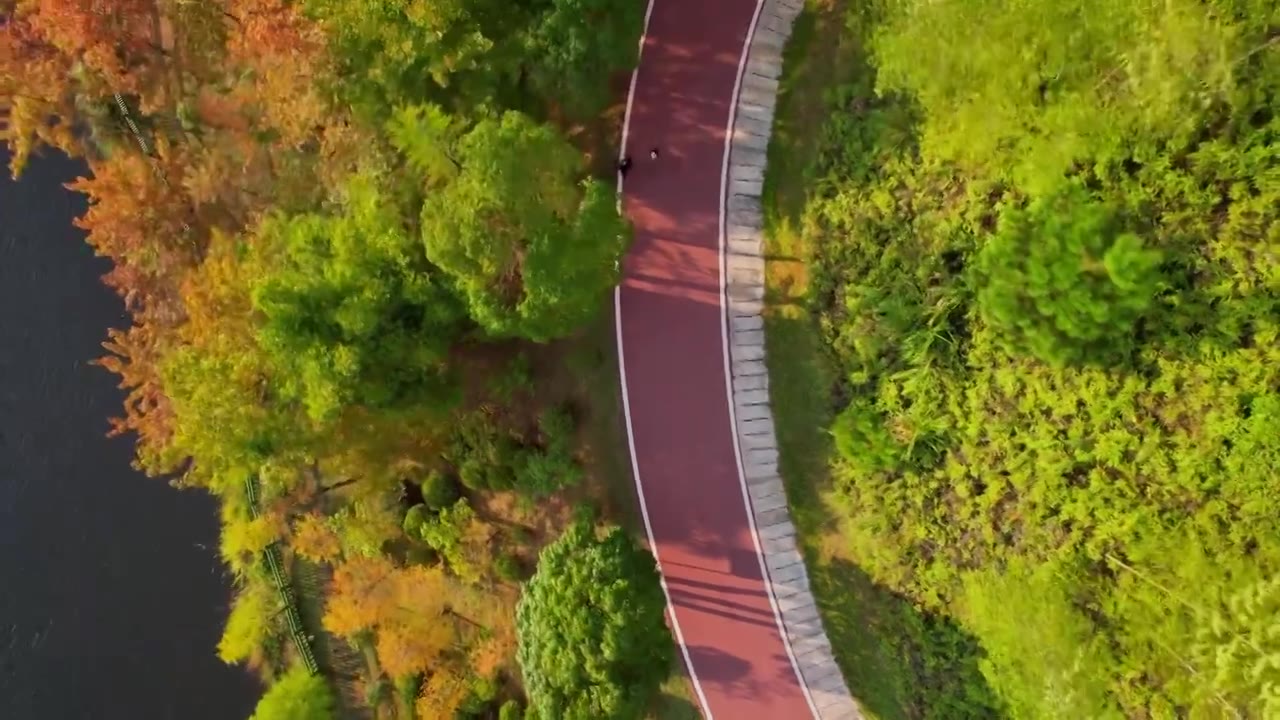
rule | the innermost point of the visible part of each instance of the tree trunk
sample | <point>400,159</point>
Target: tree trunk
<point>340,484</point>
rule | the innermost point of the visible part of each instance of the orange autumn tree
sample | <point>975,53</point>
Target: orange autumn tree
<point>134,355</point>
<point>60,61</point>
<point>314,539</point>
<point>404,607</point>
<point>116,41</point>
<point>258,134</point>
<point>139,217</point>
<point>229,95</point>
<point>238,81</point>
<point>451,681</point>
<point>444,692</point>
<point>263,133</point>
<point>142,225</point>
<point>37,98</point>
<point>286,51</point>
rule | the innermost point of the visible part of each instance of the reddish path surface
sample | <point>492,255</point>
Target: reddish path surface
<point>670,317</point>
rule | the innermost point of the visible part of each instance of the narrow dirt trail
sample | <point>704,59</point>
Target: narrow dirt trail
<point>672,347</point>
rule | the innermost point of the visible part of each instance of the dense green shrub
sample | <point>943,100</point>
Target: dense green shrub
<point>414,518</point>
<point>507,568</point>
<point>1027,89</point>
<point>946,680</point>
<point>447,532</point>
<point>577,44</point>
<point>481,695</point>
<point>530,264</point>
<point>1063,281</point>
<point>485,457</point>
<point>1239,648</point>
<point>516,381</point>
<point>863,440</point>
<point>477,474</point>
<point>250,622</point>
<point>439,491</point>
<point>1042,656</point>
<point>544,472</point>
<point>556,426</point>
<point>468,52</point>
<point>593,639</point>
<point>489,458</point>
<point>552,467</point>
<point>511,710</point>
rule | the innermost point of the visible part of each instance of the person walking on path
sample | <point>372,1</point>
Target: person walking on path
<point>624,165</point>
<point>653,154</point>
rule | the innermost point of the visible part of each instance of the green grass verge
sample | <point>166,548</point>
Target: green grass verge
<point>874,632</point>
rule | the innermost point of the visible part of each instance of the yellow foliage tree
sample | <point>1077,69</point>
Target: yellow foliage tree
<point>403,606</point>
<point>247,625</point>
<point>444,692</point>
<point>314,540</point>
<point>244,538</point>
<point>488,655</point>
<point>359,590</point>
<point>409,649</point>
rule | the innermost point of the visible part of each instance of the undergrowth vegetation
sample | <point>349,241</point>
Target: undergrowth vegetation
<point>1043,264</point>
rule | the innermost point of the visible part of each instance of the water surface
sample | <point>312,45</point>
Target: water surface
<point>111,595</point>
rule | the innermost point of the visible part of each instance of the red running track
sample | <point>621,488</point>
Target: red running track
<point>673,358</point>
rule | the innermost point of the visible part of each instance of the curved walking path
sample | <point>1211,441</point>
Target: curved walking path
<point>691,349</point>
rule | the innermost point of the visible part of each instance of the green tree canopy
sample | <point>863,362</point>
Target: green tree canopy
<point>575,45</point>
<point>389,53</point>
<point>1063,281</point>
<point>249,623</point>
<point>532,247</point>
<point>593,641</point>
<point>352,313</point>
<point>465,53</point>
<point>297,695</point>
<point>1048,81</point>
<point>224,418</point>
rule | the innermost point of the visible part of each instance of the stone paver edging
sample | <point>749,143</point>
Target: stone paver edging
<point>757,444</point>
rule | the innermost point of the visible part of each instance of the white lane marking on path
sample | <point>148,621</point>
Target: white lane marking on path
<point>728,376</point>
<point>626,398</point>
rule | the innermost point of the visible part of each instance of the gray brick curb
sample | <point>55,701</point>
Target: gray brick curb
<point>744,267</point>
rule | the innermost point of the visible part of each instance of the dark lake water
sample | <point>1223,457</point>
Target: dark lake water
<point>111,595</point>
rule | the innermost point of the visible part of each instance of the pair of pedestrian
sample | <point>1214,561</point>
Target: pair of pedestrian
<point>624,165</point>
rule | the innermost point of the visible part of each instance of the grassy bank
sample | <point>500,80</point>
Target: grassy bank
<point>1016,296</point>
<point>882,641</point>
<point>801,378</point>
